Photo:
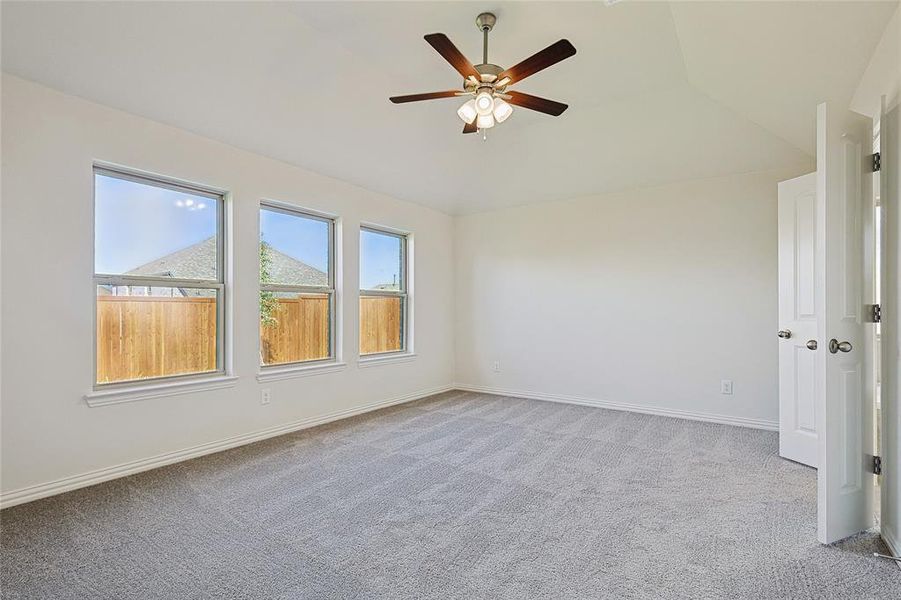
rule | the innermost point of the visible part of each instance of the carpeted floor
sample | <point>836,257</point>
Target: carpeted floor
<point>456,496</point>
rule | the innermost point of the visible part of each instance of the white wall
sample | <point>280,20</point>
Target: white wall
<point>647,298</point>
<point>882,76</point>
<point>49,142</point>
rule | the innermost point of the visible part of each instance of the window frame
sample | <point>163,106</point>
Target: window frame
<point>218,284</point>
<point>403,293</point>
<point>330,289</point>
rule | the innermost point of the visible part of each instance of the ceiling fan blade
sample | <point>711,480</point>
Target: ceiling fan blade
<point>470,127</point>
<point>535,103</point>
<point>418,97</point>
<point>446,48</point>
<point>542,60</point>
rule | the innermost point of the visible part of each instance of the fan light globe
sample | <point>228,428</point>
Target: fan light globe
<point>468,112</point>
<point>484,103</point>
<point>502,110</point>
<point>485,121</point>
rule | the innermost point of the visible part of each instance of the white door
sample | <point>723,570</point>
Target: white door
<point>844,410</point>
<point>798,319</point>
<point>890,201</point>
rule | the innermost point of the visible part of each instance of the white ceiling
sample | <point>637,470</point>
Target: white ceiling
<point>658,92</point>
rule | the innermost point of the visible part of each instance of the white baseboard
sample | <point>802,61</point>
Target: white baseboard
<point>639,408</point>
<point>67,484</point>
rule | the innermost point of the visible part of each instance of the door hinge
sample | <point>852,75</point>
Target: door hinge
<point>873,313</point>
<point>877,161</point>
<point>876,465</point>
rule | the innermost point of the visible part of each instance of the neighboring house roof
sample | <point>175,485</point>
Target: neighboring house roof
<point>387,286</point>
<point>198,261</point>
<point>288,270</point>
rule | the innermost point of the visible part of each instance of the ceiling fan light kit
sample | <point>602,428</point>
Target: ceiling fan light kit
<point>485,121</point>
<point>486,84</point>
<point>484,102</point>
<point>468,111</point>
<point>502,110</point>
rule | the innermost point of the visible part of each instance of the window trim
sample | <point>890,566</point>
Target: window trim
<point>278,370</point>
<point>406,350</point>
<point>220,284</point>
<point>171,386</point>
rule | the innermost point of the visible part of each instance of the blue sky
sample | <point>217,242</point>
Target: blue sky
<point>137,223</point>
<point>303,239</point>
<point>379,259</point>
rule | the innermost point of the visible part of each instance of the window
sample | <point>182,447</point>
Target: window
<point>383,291</point>
<point>297,286</point>
<point>158,278</point>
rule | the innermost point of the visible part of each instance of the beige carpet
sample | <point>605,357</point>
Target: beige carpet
<point>456,496</point>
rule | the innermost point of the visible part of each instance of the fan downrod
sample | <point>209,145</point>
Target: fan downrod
<point>485,22</point>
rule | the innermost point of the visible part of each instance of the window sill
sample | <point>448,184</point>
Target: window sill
<point>105,397</point>
<point>278,373</point>
<point>375,360</point>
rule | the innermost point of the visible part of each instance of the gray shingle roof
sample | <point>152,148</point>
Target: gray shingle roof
<point>198,261</point>
<point>290,271</point>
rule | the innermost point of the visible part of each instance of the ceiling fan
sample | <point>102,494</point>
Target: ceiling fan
<point>487,83</point>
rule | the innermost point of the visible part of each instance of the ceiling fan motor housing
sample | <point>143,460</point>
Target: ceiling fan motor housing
<point>488,74</point>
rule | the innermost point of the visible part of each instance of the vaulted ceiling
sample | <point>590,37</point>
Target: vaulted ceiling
<point>658,92</point>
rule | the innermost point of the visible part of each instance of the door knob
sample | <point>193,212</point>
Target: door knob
<point>784,334</point>
<point>836,346</point>
<point>811,344</point>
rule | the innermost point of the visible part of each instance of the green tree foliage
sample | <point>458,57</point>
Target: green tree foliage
<point>268,301</point>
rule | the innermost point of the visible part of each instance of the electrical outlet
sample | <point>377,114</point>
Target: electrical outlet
<point>265,396</point>
<point>726,387</point>
<point>496,367</point>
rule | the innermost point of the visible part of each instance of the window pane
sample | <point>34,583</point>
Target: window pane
<point>294,327</point>
<point>381,261</point>
<point>381,324</point>
<point>294,250</point>
<point>145,332</point>
<point>143,229</point>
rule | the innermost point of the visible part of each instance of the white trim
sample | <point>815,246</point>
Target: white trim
<point>649,410</point>
<point>290,372</point>
<point>891,541</point>
<point>379,228</point>
<point>66,484</point>
<point>297,208</point>
<point>158,390</point>
<point>374,360</point>
<point>115,170</point>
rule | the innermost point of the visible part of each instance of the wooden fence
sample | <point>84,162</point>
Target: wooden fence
<point>380,319</point>
<point>300,331</point>
<point>146,336</point>
<point>139,337</point>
